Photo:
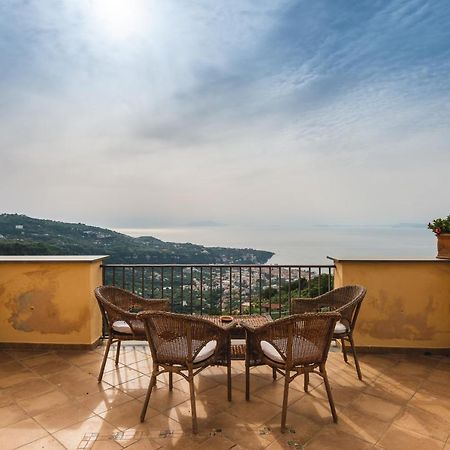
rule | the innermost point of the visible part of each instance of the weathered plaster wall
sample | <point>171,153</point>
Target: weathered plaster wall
<point>49,302</point>
<point>407,303</point>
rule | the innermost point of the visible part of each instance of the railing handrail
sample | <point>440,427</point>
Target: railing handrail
<point>292,266</point>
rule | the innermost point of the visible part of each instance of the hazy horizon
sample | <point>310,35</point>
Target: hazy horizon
<point>146,114</point>
<point>307,245</point>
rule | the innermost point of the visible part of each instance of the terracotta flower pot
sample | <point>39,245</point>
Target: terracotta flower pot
<point>443,245</point>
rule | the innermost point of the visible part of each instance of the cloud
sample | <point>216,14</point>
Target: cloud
<point>224,112</point>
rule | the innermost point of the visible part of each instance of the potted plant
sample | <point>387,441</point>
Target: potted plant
<point>441,228</point>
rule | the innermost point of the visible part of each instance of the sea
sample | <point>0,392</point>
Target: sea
<point>307,245</point>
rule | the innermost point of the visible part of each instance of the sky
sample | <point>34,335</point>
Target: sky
<point>143,113</point>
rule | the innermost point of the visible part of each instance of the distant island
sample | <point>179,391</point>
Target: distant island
<point>23,235</point>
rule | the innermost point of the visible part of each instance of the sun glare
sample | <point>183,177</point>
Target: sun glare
<point>120,19</point>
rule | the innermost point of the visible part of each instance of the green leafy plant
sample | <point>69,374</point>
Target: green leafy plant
<point>440,226</point>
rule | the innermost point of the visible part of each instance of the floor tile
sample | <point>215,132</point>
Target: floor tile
<point>377,407</point>
<point>144,366</point>
<point>400,439</point>
<point>300,429</point>
<point>22,354</point>
<point>62,416</point>
<point>273,393</point>
<point>84,388</point>
<point>127,414</point>
<point>11,414</point>
<point>424,422</point>
<point>45,402</point>
<point>136,387</point>
<point>14,373</point>
<point>144,444</point>
<point>21,433</point>
<point>342,395</point>
<point>162,399</point>
<point>332,438</point>
<point>432,403</point>
<point>363,426</point>
<point>201,383</point>
<point>34,361</point>
<point>105,400</point>
<point>5,357</point>
<point>395,389</point>
<point>29,389</point>
<point>120,375</point>
<point>256,382</point>
<point>254,411</point>
<point>248,436</point>
<point>86,431</point>
<point>45,443</point>
<point>79,358</point>
<point>313,408</point>
<point>93,368</point>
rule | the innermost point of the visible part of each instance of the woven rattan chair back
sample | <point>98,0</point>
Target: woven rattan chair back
<point>301,339</point>
<point>178,338</point>
<point>347,301</point>
<point>301,343</point>
<point>176,341</point>
<point>118,305</point>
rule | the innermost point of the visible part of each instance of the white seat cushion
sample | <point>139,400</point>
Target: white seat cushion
<point>310,352</point>
<point>340,328</point>
<point>122,327</point>
<point>206,351</point>
<point>271,352</point>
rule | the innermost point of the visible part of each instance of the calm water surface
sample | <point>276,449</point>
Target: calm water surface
<point>306,245</point>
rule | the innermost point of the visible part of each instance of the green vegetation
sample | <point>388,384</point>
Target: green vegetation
<point>22,235</point>
<point>441,225</point>
<point>317,286</point>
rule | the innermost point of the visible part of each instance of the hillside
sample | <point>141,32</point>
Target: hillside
<point>22,235</point>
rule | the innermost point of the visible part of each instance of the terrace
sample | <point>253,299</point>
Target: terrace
<point>50,329</point>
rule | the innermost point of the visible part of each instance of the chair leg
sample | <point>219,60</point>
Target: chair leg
<point>285,401</point>
<point>170,381</point>
<point>105,357</point>
<point>306,381</point>
<point>118,352</point>
<point>344,351</point>
<point>149,392</point>
<point>193,408</point>
<point>358,370</point>
<point>330,396</point>
<point>274,373</point>
<point>247,374</point>
<point>229,391</point>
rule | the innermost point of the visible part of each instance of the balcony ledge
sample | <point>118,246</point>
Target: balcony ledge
<point>53,258</point>
<point>375,259</point>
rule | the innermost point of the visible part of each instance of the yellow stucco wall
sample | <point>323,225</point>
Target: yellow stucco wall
<point>407,303</point>
<point>49,302</point>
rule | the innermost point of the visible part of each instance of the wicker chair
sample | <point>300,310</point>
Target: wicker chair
<point>298,343</point>
<point>182,343</point>
<point>345,300</point>
<point>119,309</point>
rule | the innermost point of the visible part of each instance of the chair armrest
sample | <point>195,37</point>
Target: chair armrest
<point>160,304</point>
<point>248,327</point>
<point>228,326</point>
<point>302,305</point>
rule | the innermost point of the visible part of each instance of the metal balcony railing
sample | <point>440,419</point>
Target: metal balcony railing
<point>223,289</point>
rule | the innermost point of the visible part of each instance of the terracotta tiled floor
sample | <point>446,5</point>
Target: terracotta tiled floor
<point>51,400</point>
